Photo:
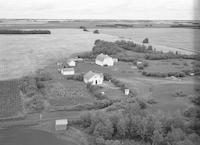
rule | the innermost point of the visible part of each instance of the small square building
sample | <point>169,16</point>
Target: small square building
<point>61,124</point>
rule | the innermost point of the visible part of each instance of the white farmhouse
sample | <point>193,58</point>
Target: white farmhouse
<point>61,124</point>
<point>93,78</point>
<point>104,60</point>
<point>71,62</point>
<point>67,71</point>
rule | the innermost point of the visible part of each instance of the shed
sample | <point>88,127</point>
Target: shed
<point>61,124</point>
<point>71,62</point>
<point>104,60</point>
<point>115,60</point>
<point>93,78</point>
<point>67,71</point>
<point>139,63</point>
<point>126,91</point>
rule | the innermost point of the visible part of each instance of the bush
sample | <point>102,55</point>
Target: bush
<point>77,77</point>
<point>105,47</point>
<point>146,40</point>
<point>96,32</point>
<point>43,77</point>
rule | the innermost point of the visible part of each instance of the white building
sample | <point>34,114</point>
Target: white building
<point>93,78</point>
<point>115,60</point>
<point>67,71</point>
<point>61,124</point>
<point>71,62</point>
<point>139,63</point>
<point>104,60</point>
<point>126,92</point>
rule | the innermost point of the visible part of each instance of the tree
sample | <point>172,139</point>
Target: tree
<point>96,32</point>
<point>146,40</point>
<point>104,129</point>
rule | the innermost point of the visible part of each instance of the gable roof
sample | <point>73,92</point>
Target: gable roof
<point>91,74</point>
<point>70,60</point>
<point>102,56</point>
<point>68,69</point>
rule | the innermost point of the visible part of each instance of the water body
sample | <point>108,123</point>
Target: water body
<point>27,136</point>
<point>23,54</point>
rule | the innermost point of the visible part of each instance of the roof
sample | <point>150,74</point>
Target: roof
<point>91,74</point>
<point>70,60</point>
<point>102,56</point>
<point>62,122</point>
<point>67,69</point>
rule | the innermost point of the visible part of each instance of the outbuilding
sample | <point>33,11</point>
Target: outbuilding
<point>61,124</point>
<point>71,62</point>
<point>104,60</point>
<point>67,71</point>
<point>126,91</point>
<point>93,78</point>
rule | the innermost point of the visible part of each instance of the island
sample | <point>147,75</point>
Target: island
<point>12,31</point>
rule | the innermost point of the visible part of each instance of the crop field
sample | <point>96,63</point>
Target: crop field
<point>10,100</point>
<point>68,93</point>
<point>165,66</point>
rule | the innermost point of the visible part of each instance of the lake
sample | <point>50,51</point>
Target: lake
<point>23,54</point>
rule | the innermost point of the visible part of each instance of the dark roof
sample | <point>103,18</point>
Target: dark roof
<point>89,75</point>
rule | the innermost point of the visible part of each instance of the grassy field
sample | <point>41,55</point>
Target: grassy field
<point>166,66</point>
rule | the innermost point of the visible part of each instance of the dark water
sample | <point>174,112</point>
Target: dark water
<point>27,136</point>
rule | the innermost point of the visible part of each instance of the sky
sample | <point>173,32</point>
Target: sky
<point>101,9</point>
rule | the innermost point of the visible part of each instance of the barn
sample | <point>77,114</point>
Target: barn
<point>67,71</point>
<point>93,78</point>
<point>104,60</point>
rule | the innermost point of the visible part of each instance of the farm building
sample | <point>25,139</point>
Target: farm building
<point>93,78</point>
<point>71,62</point>
<point>115,60</point>
<point>67,71</point>
<point>61,124</point>
<point>139,63</point>
<point>126,92</point>
<point>104,60</point>
<point>10,99</point>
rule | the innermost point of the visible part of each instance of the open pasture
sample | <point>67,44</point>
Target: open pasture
<point>166,66</point>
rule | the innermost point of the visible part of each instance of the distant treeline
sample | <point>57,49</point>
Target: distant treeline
<point>25,32</point>
<point>116,25</point>
<point>185,26</point>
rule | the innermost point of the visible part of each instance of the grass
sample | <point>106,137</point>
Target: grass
<point>166,66</point>
<point>164,94</point>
